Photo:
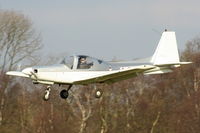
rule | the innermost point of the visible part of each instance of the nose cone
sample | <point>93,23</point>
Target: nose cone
<point>28,71</point>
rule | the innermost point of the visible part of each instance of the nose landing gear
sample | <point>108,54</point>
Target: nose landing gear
<point>47,93</point>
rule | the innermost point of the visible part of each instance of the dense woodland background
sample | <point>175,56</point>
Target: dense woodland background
<point>168,103</point>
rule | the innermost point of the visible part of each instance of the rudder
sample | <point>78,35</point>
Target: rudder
<point>167,50</point>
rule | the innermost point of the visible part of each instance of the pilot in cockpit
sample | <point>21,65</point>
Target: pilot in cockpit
<point>83,63</point>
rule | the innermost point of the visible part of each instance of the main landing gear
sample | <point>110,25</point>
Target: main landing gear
<point>65,93</point>
<point>98,92</point>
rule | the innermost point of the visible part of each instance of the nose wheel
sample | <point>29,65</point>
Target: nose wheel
<point>47,93</point>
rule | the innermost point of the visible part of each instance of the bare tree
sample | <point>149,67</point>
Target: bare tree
<point>18,41</point>
<point>84,105</point>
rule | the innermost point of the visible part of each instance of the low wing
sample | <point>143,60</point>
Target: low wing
<point>117,75</point>
<point>16,73</point>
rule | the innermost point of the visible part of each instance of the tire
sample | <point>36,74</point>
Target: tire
<point>98,93</point>
<point>46,96</point>
<point>64,94</point>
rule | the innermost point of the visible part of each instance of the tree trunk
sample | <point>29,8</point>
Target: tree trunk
<point>83,126</point>
<point>1,109</point>
<point>155,122</point>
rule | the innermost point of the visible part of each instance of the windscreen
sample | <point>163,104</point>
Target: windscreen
<point>68,61</point>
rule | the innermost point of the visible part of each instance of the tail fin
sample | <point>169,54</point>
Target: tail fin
<point>166,51</point>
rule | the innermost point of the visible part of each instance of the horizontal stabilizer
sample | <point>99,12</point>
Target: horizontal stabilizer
<point>16,73</point>
<point>185,63</point>
<point>158,70</point>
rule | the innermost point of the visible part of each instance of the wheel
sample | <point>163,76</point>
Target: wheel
<point>46,95</point>
<point>98,93</point>
<point>64,94</point>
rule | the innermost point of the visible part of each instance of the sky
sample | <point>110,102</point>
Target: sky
<point>107,29</point>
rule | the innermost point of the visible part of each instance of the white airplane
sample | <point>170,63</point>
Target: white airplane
<point>83,70</point>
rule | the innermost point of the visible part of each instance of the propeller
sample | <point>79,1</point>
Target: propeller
<point>19,67</point>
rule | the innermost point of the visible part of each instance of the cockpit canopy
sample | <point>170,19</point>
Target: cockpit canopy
<point>68,61</point>
<point>83,62</point>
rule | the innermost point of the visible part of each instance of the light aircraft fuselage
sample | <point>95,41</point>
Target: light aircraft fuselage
<point>82,69</point>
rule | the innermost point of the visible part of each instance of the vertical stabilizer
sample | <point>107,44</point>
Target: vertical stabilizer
<point>166,51</point>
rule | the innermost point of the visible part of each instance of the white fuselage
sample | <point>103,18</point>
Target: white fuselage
<point>69,77</point>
